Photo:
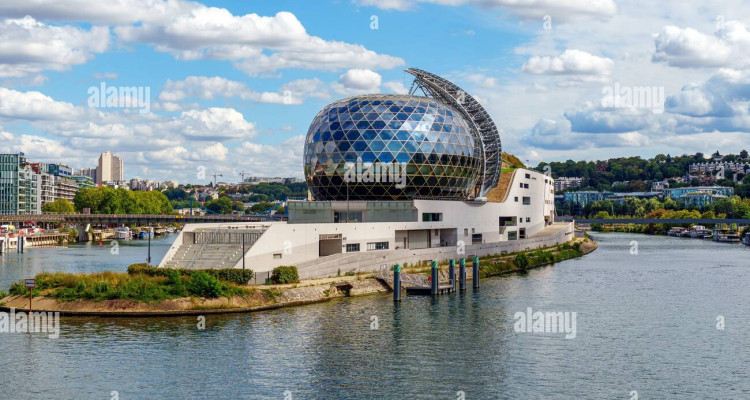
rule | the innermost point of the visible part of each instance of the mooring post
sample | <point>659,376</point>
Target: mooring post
<point>397,282</point>
<point>462,274</point>
<point>452,273</point>
<point>475,277</point>
<point>434,286</point>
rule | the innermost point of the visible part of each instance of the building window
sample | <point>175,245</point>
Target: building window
<point>466,231</point>
<point>512,235</point>
<point>352,247</point>
<point>432,217</point>
<point>526,201</point>
<point>522,233</point>
<point>521,184</point>
<point>377,246</point>
<point>528,176</point>
<point>277,256</point>
<point>520,220</point>
<point>476,238</point>
<point>528,219</point>
<point>525,185</point>
<point>516,199</point>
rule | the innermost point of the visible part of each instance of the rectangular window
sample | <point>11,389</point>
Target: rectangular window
<point>522,233</point>
<point>352,247</point>
<point>520,220</point>
<point>476,238</point>
<point>525,185</point>
<point>526,201</point>
<point>466,231</point>
<point>432,217</point>
<point>528,219</point>
<point>512,235</point>
<point>516,199</point>
<point>528,176</point>
<point>276,256</point>
<point>377,246</point>
<point>521,184</point>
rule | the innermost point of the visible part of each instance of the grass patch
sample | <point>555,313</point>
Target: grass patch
<point>119,286</point>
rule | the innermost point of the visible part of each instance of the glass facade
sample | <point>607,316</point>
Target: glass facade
<point>390,147</point>
<point>309,212</point>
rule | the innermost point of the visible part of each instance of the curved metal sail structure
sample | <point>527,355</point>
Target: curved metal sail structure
<point>483,128</point>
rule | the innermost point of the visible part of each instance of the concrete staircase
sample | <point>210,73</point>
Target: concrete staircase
<point>216,249</point>
<point>205,256</point>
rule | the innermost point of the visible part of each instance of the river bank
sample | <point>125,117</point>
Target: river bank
<point>277,296</point>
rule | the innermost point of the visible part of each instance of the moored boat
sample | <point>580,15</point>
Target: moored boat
<point>746,239</point>
<point>676,231</point>
<point>123,232</point>
<point>726,235</point>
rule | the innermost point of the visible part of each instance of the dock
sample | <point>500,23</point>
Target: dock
<point>427,291</point>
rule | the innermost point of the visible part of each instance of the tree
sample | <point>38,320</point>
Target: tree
<point>260,207</point>
<point>105,200</point>
<point>743,154</point>
<point>59,206</point>
<point>222,205</point>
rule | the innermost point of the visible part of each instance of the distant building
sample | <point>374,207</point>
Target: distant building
<point>676,193</point>
<point>144,184</point>
<point>110,168</point>
<point>711,167</point>
<point>564,183</point>
<point>659,186</point>
<point>170,184</point>
<point>90,172</point>
<point>621,197</point>
<point>83,181</point>
<point>699,199</point>
<point>19,185</point>
<point>585,197</point>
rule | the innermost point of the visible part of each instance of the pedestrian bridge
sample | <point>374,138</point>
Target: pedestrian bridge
<point>131,218</point>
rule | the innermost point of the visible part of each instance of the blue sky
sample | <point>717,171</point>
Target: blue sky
<point>234,84</point>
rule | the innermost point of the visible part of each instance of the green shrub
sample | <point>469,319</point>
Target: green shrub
<point>522,261</point>
<point>3,294</point>
<point>285,274</point>
<point>577,246</point>
<point>202,284</point>
<point>232,275</point>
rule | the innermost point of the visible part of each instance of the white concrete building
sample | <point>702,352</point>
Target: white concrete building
<point>391,179</point>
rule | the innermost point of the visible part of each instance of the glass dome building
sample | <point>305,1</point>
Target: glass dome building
<point>391,147</point>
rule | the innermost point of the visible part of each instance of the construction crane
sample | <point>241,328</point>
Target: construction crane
<point>215,181</point>
<point>242,176</point>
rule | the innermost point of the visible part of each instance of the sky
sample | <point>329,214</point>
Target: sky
<point>230,87</point>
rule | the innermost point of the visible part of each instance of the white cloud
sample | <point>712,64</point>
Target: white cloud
<point>396,87</point>
<point>258,45</point>
<point>687,47</point>
<point>28,46</point>
<point>209,88</point>
<point>358,81</point>
<point>570,62</point>
<point>213,124</point>
<point>559,10</point>
<point>34,105</point>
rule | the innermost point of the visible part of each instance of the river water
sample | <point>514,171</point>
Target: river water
<point>647,327</point>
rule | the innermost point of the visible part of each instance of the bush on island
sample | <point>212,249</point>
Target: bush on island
<point>233,275</point>
<point>285,274</point>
